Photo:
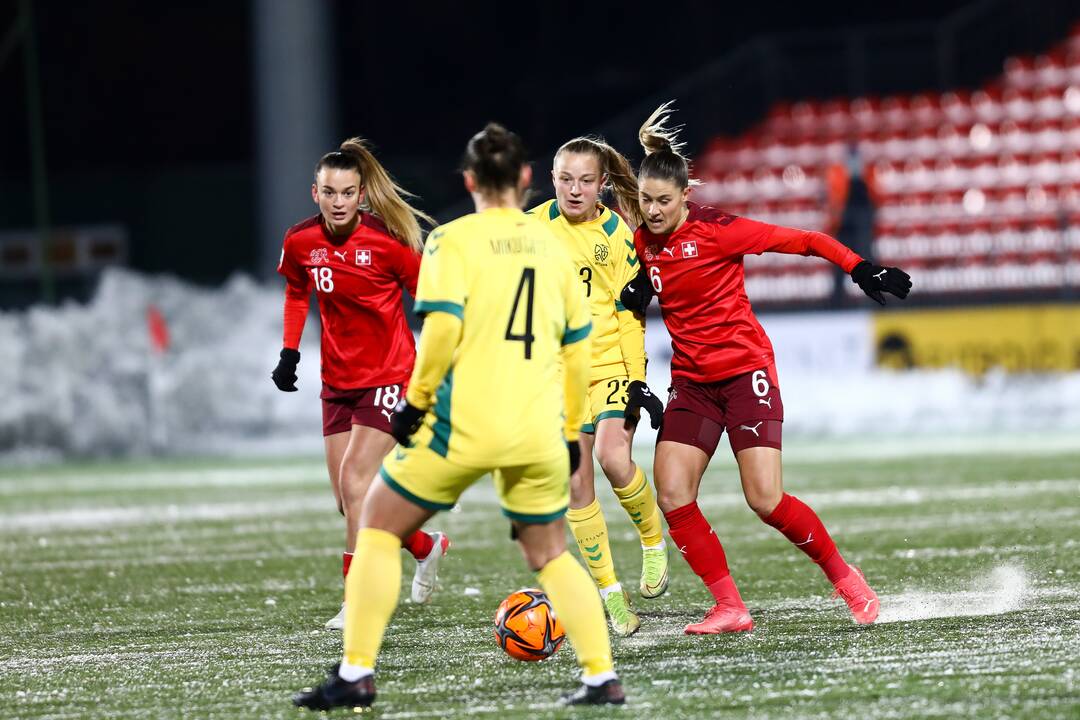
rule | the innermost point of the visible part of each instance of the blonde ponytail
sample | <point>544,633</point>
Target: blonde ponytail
<point>663,149</point>
<point>385,197</point>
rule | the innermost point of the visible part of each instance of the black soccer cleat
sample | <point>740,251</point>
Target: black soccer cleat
<point>335,693</point>
<point>610,693</point>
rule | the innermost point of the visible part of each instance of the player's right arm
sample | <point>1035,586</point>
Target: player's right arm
<point>297,300</point>
<point>440,298</point>
<point>576,358</point>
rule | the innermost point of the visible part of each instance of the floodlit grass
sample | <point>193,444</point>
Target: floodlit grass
<point>199,589</point>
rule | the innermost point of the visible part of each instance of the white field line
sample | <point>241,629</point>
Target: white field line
<point>114,516</point>
<point>127,480</point>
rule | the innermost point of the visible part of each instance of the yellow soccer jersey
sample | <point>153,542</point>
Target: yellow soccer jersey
<point>602,251</point>
<point>510,282</point>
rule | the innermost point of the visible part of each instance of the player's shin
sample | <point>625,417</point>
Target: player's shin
<point>590,531</point>
<point>639,503</point>
<point>801,525</point>
<point>371,595</point>
<point>578,607</point>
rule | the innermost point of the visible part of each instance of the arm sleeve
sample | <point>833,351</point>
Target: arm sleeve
<point>439,339</point>
<point>297,297</point>
<point>631,327</point>
<point>751,237</point>
<point>576,358</point>
<point>442,281</point>
<point>409,269</point>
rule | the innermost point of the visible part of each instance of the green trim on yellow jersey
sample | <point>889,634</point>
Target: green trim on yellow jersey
<point>612,223</point>
<point>553,210</point>
<point>430,306</point>
<point>414,499</point>
<point>573,336</point>
<point>534,519</point>
<point>440,439</point>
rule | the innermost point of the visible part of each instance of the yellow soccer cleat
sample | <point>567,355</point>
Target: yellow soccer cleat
<point>654,571</point>
<point>624,622</point>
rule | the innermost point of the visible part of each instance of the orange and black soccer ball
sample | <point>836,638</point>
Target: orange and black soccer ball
<point>526,626</point>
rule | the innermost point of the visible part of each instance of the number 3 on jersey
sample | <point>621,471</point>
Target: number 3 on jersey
<point>324,279</point>
<point>528,280</point>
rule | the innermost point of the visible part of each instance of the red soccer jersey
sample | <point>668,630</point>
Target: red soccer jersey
<point>358,282</point>
<point>697,273</point>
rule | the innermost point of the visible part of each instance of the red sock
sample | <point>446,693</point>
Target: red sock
<point>419,544</point>
<point>346,561</point>
<point>697,542</point>
<point>801,525</point>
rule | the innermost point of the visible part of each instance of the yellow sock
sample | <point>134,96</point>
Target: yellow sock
<point>640,504</point>
<point>371,594</point>
<point>590,531</point>
<point>578,608</point>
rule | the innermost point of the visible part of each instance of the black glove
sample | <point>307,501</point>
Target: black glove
<point>574,448</point>
<point>875,278</point>
<point>405,421</point>
<point>637,294</point>
<point>638,397</point>
<point>284,375</point>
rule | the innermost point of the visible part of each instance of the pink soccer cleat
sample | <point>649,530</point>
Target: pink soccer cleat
<point>862,601</point>
<point>722,619</point>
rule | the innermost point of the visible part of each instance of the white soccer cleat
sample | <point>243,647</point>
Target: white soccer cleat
<point>427,570</point>
<point>338,621</point>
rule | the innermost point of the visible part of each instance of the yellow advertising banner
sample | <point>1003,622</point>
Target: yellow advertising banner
<point>1020,338</point>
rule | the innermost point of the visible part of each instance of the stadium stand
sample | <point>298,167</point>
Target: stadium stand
<point>973,192</point>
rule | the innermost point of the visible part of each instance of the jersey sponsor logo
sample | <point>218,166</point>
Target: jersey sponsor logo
<point>600,252</point>
<point>765,401</point>
<point>670,251</point>
<point>363,257</point>
<point>752,429</point>
<point>689,249</point>
<point>319,255</point>
<point>340,255</point>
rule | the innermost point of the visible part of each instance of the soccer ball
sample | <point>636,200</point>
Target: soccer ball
<point>526,626</point>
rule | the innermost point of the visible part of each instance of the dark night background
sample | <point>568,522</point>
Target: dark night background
<point>149,120</point>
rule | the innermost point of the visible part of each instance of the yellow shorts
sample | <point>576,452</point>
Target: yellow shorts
<point>607,399</point>
<point>535,493</point>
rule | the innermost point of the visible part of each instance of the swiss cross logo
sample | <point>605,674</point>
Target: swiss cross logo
<point>319,255</point>
<point>689,248</point>
<point>363,257</point>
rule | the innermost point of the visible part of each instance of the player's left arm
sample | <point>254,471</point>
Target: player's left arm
<point>744,236</point>
<point>408,268</point>
<point>631,326</point>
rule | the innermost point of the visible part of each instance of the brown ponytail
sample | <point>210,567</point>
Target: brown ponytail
<point>663,151</point>
<point>385,197</point>
<point>620,174</point>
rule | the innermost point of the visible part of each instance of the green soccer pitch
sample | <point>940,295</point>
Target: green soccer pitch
<point>199,589</point>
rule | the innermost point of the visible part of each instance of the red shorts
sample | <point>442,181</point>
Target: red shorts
<point>747,406</point>
<point>370,407</point>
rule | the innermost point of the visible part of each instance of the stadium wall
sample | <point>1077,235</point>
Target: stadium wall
<point>105,379</point>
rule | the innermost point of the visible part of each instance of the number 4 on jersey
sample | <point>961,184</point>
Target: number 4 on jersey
<point>528,278</point>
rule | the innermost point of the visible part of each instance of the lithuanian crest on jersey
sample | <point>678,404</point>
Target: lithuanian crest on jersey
<point>601,253</point>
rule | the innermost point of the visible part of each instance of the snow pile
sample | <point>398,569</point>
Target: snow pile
<point>84,381</point>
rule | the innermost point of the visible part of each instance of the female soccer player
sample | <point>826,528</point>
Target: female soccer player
<point>358,253</point>
<point>601,247</point>
<point>502,310</point>
<point>723,375</point>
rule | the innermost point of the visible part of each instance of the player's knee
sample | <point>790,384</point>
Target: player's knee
<point>616,464</point>
<point>582,491</point>
<point>763,502</point>
<point>669,499</point>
